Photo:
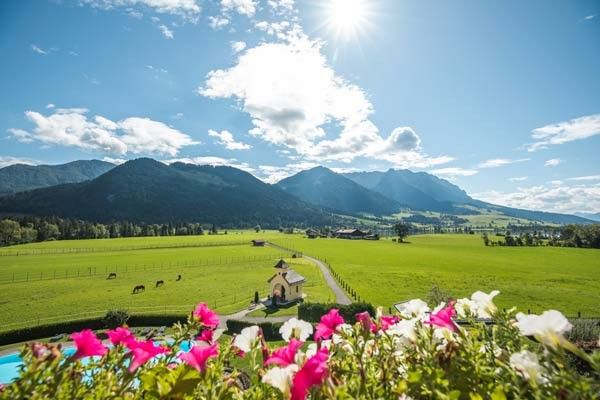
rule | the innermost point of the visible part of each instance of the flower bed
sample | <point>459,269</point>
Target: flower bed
<point>420,353</point>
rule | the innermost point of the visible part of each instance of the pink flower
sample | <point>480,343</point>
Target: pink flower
<point>443,318</point>
<point>206,336</point>
<point>198,356</point>
<point>329,323</point>
<point>365,320</point>
<point>142,351</point>
<point>120,336</point>
<point>312,373</point>
<point>88,344</point>
<point>286,355</point>
<point>206,316</point>
<point>387,321</point>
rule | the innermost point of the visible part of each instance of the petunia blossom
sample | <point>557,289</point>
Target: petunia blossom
<point>296,328</point>
<point>313,373</point>
<point>364,318</point>
<point>286,355</point>
<point>416,308</point>
<point>548,328</point>
<point>329,324</point>
<point>281,378</point>
<point>142,351</point>
<point>206,336</point>
<point>88,344</point>
<point>206,316</point>
<point>198,356</point>
<point>388,320</point>
<point>247,339</point>
<point>443,318</point>
<point>527,364</point>
<point>121,335</point>
<point>484,304</point>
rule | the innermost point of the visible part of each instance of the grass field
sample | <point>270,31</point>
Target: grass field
<point>535,278</point>
<point>224,276</point>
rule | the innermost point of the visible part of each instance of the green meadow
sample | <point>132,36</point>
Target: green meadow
<point>536,278</point>
<point>58,280</point>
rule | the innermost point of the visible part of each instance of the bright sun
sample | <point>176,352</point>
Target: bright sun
<point>347,17</point>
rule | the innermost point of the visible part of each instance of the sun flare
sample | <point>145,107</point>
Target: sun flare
<point>347,17</point>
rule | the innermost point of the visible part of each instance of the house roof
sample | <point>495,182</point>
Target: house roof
<point>291,277</point>
<point>282,265</point>
<point>342,231</point>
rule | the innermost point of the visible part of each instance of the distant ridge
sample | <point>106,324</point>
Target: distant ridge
<point>20,177</point>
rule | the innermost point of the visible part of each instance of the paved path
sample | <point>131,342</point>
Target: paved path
<point>340,296</point>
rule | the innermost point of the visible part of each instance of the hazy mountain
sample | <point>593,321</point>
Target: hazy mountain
<point>591,216</point>
<point>146,190</point>
<point>325,188</point>
<point>20,177</point>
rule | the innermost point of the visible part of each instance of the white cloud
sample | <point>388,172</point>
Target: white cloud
<point>281,5</point>
<point>50,105</point>
<point>189,9</point>
<point>39,50</point>
<point>518,179</point>
<point>71,127</point>
<point>274,173</point>
<point>454,172</point>
<point>556,198</point>
<point>215,161</point>
<point>226,139</point>
<point>116,161</point>
<point>5,161</point>
<point>553,162</point>
<point>499,162</point>
<point>564,132</point>
<point>166,31</point>
<point>589,17</point>
<point>236,47</point>
<point>586,178</point>
<point>244,7</point>
<point>217,22</point>
<point>292,94</point>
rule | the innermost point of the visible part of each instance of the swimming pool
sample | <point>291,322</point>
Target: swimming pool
<point>9,364</point>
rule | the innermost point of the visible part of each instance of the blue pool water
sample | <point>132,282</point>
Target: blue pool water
<point>9,364</point>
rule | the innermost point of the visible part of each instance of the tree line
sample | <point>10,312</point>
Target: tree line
<point>17,230</point>
<point>583,236</point>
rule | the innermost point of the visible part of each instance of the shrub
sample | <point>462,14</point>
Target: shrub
<point>270,329</point>
<point>313,312</point>
<point>114,318</point>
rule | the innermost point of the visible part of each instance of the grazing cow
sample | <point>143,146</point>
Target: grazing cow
<point>139,288</point>
<point>178,278</point>
<point>159,283</point>
<point>112,275</point>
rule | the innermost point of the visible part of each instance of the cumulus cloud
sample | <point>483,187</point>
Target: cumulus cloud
<point>281,5</point>
<point>238,46</point>
<point>5,161</point>
<point>553,162</point>
<point>275,173</point>
<point>292,95</point>
<point>454,172</point>
<point>214,161</point>
<point>116,161</point>
<point>226,139</point>
<point>217,22</point>
<point>556,198</point>
<point>189,9</point>
<point>244,7</point>
<point>564,132</point>
<point>72,127</point>
<point>166,31</point>
<point>499,162</point>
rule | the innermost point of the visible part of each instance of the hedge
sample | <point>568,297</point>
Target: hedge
<point>49,330</point>
<point>270,329</point>
<point>312,312</point>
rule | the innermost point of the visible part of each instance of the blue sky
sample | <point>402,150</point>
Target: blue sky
<point>502,98</point>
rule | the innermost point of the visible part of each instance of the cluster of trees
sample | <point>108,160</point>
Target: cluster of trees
<point>587,236</point>
<point>38,229</point>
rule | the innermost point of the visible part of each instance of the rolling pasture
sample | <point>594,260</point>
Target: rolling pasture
<point>536,278</point>
<point>67,279</point>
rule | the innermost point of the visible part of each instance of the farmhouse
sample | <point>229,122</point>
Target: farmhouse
<point>258,243</point>
<point>286,284</point>
<point>349,234</point>
<point>312,234</point>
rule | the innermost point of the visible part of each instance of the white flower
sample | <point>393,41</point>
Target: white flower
<point>281,378</point>
<point>404,333</point>
<point>414,308</point>
<point>311,350</point>
<point>484,304</point>
<point>247,339</point>
<point>465,307</point>
<point>296,328</point>
<point>548,328</point>
<point>528,365</point>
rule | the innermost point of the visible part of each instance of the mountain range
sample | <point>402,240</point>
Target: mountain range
<point>145,190</point>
